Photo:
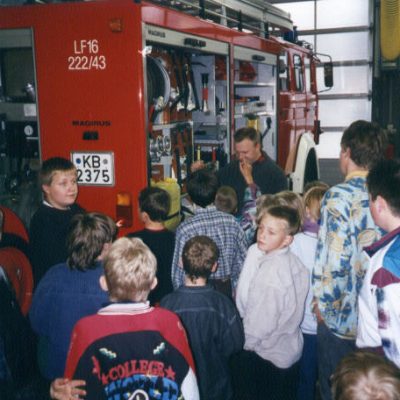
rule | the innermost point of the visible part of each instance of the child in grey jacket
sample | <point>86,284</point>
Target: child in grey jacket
<point>272,311</point>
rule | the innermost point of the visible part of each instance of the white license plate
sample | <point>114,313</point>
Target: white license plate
<point>94,168</point>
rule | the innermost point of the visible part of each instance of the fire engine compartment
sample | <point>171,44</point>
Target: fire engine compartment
<point>195,100</point>
<point>133,98</point>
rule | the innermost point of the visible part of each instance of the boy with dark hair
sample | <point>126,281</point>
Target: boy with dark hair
<point>229,237</point>
<point>272,308</point>
<point>211,321</point>
<point>70,291</point>
<point>49,225</point>
<point>379,299</point>
<point>128,349</point>
<point>154,206</point>
<point>346,227</point>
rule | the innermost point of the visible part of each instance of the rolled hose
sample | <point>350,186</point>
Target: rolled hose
<point>390,29</point>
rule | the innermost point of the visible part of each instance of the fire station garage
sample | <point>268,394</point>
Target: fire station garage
<point>200,127</point>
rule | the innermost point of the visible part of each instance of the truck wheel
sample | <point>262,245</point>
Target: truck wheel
<point>311,169</point>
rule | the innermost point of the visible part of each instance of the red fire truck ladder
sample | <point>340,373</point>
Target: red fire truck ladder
<point>256,16</point>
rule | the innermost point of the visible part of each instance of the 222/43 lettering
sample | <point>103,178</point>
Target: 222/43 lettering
<point>86,63</point>
<point>86,56</point>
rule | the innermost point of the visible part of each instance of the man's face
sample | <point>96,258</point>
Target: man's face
<point>247,151</point>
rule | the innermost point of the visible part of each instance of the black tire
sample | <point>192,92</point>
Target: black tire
<point>311,169</point>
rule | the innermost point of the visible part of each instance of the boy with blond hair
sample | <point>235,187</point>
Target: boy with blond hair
<point>129,349</point>
<point>363,375</point>
<point>272,309</point>
<point>49,225</point>
<point>304,246</point>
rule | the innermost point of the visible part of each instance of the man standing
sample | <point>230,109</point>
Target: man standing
<point>267,175</point>
<point>346,227</point>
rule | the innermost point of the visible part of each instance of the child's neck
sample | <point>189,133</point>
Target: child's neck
<point>195,281</point>
<point>154,226</point>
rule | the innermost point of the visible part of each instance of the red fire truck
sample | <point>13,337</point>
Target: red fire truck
<point>134,92</point>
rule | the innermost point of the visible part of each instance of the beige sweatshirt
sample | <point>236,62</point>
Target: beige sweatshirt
<point>274,308</point>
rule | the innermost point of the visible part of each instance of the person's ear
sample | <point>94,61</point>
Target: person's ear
<point>288,240</point>
<point>103,283</point>
<point>381,204</point>
<point>104,250</point>
<point>214,267</point>
<point>144,217</point>
<point>46,189</point>
<point>154,283</point>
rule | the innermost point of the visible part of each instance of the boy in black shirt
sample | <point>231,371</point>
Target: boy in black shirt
<point>154,205</point>
<point>49,225</point>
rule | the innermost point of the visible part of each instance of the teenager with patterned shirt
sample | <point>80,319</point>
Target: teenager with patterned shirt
<point>346,227</point>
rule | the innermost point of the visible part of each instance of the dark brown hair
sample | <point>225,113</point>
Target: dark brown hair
<point>247,133</point>
<point>366,141</point>
<point>88,233</point>
<point>198,256</point>
<point>156,202</point>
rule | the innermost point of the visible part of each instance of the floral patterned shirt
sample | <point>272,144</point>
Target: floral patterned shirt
<point>346,227</point>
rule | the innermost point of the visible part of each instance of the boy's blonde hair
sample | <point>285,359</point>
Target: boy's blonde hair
<point>263,203</point>
<point>312,201</point>
<point>363,375</point>
<point>293,200</point>
<point>226,200</point>
<point>129,268</point>
<point>284,198</point>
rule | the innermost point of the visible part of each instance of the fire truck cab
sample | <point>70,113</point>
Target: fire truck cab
<point>134,92</point>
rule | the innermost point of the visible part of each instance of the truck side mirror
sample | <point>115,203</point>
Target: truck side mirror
<point>328,74</point>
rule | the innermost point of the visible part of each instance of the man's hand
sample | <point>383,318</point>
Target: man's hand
<point>64,389</point>
<point>197,165</point>
<point>317,313</point>
<point>246,170</point>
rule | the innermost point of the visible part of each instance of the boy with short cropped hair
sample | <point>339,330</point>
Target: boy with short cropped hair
<point>272,309</point>
<point>154,206</point>
<point>211,321</point>
<point>129,349</point>
<point>202,187</point>
<point>379,299</point>
<point>49,225</point>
